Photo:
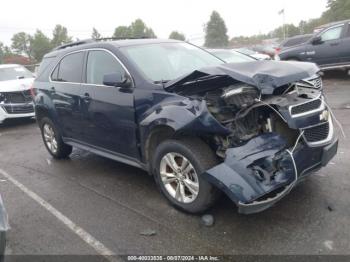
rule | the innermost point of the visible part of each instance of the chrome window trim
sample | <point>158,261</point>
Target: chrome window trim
<point>322,107</point>
<point>87,50</point>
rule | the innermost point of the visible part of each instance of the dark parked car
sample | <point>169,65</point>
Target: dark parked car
<point>329,48</point>
<point>252,130</point>
<point>293,41</point>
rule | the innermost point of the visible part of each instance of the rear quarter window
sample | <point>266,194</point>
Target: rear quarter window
<point>44,65</point>
<point>69,69</point>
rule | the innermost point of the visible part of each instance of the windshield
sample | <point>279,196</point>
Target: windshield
<point>232,56</point>
<point>14,73</point>
<point>168,61</point>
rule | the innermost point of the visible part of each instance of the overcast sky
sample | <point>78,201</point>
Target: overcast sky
<point>242,17</point>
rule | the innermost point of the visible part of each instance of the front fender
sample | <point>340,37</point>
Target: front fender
<point>185,116</point>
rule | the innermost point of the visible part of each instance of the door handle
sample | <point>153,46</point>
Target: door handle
<point>53,90</point>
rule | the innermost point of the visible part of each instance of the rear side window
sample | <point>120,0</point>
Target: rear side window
<point>69,69</point>
<point>295,41</point>
<point>101,63</point>
<point>44,64</point>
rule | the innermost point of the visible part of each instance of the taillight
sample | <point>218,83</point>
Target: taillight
<point>278,50</point>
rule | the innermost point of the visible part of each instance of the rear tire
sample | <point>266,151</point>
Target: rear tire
<point>185,188</point>
<point>53,139</point>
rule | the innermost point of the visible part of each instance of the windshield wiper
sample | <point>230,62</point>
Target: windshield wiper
<point>161,81</point>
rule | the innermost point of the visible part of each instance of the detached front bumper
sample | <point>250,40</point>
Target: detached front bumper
<point>260,173</point>
<point>16,110</point>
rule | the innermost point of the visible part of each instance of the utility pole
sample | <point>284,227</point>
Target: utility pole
<point>282,12</point>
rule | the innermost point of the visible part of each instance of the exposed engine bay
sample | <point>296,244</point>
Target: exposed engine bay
<point>247,113</point>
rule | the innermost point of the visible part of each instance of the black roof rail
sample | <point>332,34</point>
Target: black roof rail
<point>87,41</point>
<point>121,38</point>
<point>81,42</point>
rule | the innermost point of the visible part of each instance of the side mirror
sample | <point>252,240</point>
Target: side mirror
<point>116,79</point>
<point>317,40</point>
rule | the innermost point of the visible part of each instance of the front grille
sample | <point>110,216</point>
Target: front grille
<point>316,133</point>
<point>17,97</point>
<point>306,107</point>
<point>317,82</point>
<point>18,109</point>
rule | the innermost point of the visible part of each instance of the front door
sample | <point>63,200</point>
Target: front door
<point>112,115</point>
<point>328,50</point>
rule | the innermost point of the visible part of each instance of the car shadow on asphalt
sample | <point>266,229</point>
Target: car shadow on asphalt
<point>17,122</point>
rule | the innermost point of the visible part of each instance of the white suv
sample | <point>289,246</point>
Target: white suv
<point>15,94</point>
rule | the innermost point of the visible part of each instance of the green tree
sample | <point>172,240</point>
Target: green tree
<point>40,45</point>
<point>337,10</point>
<point>95,34</point>
<point>290,29</point>
<point>122,32</point>
<point>21,44</point>
<point>60,36</point>
<point>216,32</point>
<point>177,36</point>
<point>139,30</point>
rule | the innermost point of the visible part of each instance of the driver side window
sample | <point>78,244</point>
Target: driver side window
<point>101,63</point>
<point>332,34</point>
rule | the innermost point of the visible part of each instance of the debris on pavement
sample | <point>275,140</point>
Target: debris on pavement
<point>148,232</point>
<point>208,220</point>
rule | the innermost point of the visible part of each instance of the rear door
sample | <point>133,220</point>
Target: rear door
<point>112,115</point>
<point>68,96</point>
<point>328,51</point>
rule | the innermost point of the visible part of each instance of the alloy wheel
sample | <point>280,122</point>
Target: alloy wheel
<point>179,177</point>
<point>49,137</point>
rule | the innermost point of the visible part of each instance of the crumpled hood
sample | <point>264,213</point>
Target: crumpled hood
<point>16,85</point>
<point>265,75</point>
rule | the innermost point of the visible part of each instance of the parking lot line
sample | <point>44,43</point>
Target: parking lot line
<point>85,236</point>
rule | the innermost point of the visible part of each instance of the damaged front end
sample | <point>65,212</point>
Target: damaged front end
<point>280,128</point>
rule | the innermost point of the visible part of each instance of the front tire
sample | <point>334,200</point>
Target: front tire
<point>53,140</point>
<point>179,165</point>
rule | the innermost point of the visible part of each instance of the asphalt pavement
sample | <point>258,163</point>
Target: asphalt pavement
<point>120,210</point>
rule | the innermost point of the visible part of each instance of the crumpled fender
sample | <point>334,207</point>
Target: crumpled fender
<point>185,115</point>
<point>237,175</point>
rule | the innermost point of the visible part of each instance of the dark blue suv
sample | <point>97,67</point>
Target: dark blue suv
<point>201,127</point>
